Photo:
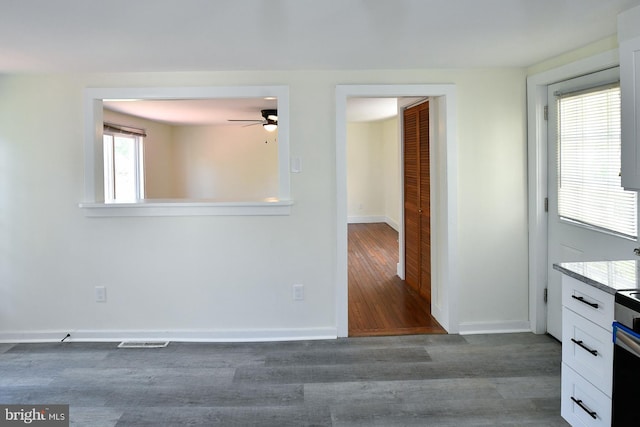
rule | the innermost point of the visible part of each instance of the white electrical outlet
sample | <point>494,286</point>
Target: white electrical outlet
<point>298,292</point>
<point>101,294</point>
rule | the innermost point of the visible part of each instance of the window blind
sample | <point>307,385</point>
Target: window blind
<point>589,185</point>
<point>125,130</point>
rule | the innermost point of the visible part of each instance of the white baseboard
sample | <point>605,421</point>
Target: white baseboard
<point>470,328</point>
<point>372,219</point>
<point>365,219</point>
<point>391,223</point>
<point>228,335</point>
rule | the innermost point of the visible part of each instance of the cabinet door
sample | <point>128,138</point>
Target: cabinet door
<point>630,119</point>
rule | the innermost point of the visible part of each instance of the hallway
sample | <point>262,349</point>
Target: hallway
<point>380,303</point>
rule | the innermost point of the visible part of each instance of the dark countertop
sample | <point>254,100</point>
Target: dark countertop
<point>609,276</point>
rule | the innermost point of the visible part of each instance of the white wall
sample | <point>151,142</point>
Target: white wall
<point>373,180</point>
<point>391,170</point>
<point>365,174</point>
<point>226,162</point>
<point>492,201</point>
<point>220,277</point>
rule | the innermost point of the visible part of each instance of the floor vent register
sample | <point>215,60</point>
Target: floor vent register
<point>143,344</point>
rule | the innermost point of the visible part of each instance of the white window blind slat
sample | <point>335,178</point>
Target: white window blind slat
<point>589,185</point>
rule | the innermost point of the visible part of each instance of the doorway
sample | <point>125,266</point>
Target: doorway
<point>444,302</point>
<point>537,86</point>
<point>388,170</point>
<point>591,217</point>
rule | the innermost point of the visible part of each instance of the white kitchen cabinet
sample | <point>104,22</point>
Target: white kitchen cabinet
<point>587,353</point>
<point>629,50</point>
<point>630,104</point>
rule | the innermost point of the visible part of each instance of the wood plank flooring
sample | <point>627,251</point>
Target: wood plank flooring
<point>409,380</point>
<point>380,303</point>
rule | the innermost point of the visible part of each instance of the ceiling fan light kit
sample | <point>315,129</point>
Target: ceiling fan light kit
<point>270,127</point>
<point>269,122</point>
<point>271,116</point>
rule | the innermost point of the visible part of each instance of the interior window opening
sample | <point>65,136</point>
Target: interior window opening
<point>205,151</point>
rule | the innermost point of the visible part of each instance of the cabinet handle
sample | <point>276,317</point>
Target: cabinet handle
<point>582,300</point>
<point>593,414</point>
<point>594,352</point>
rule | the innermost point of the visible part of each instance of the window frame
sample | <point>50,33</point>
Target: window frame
<point>110,192</point>
<point>581,219</point>
<point>94,203</point>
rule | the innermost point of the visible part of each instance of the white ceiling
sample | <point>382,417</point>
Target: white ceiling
<point>170,35</point>
<point>203,35</point>
<point>195,111</point>
<point>371,109</point>
<point>220,111</point>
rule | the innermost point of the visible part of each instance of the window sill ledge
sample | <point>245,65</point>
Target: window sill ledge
<point>187,207</point>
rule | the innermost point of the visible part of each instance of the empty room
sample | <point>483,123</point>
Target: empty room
<point>206,217</point>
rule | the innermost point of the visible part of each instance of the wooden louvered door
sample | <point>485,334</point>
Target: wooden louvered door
<point>417,215</point>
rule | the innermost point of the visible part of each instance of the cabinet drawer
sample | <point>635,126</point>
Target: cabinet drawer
<point>582,403</point>
<point>588,349</point>
<point>588,301</point>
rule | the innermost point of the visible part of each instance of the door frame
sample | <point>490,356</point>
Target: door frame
<point>537,173</point>
<point>444,304</point>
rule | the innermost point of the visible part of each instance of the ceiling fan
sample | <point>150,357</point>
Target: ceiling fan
<point>269,120</point>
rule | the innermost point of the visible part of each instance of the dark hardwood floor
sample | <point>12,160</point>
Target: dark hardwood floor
<point>380,303</point>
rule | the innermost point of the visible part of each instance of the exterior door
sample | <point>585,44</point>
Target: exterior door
<point>587,205</point>
<point>417,214</point>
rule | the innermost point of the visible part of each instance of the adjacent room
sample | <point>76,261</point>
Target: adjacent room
<point>381,302</point>
<point>300,213</point>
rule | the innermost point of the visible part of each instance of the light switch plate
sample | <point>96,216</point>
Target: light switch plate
<point>101,294</point>
<point>296,164</point>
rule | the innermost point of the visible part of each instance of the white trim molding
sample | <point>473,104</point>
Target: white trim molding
<point>178,335</point>
<point>537,175</point>
<point>471,328</point>
<point>444,306</point>
<point>372,220</point>
<point>186,208</point>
